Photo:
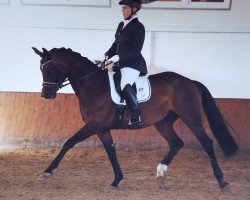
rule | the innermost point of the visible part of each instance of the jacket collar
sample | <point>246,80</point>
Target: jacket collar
<point>126,22</point>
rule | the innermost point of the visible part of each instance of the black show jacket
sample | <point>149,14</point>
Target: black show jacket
<point>128,46</point>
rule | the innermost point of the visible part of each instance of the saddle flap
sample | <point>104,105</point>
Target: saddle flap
<point>117,80</point>
<point>142,86</point>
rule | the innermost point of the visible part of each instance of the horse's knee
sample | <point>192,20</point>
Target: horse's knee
<point>68,144</point>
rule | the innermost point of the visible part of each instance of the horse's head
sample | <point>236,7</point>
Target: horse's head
<point>53,76</point>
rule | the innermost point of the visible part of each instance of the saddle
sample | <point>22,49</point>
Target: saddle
<point>142,89</point>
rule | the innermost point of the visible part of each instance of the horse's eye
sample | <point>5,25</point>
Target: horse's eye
<point>52,70</point>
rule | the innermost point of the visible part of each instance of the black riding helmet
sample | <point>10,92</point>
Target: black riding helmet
<point>131,3</point>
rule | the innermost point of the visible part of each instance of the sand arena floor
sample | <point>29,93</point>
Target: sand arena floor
<point>86,173</point>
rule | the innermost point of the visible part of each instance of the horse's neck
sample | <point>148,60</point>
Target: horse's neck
<point>88,84</point>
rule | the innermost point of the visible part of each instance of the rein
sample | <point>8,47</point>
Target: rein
<point>61,85</point>
<point>100,68</point>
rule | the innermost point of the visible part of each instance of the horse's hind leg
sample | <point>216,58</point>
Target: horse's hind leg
<point>165,128</point>
<point>193,119</point>
<point>107,141</point>
<point>207,145</point>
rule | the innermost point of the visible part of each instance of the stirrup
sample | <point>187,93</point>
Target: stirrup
<point>135,121</point>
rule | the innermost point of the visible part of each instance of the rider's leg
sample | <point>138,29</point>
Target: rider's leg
<point>128,78</point>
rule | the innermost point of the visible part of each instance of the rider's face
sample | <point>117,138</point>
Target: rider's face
<point>126,11</point>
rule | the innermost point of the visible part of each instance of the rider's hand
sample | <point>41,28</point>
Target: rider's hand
<point>103,61</point>
<point>109,67</point>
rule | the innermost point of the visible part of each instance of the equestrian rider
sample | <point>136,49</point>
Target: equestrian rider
<point>129,40</point>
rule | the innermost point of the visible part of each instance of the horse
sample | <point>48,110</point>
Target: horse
<point>173,96</point>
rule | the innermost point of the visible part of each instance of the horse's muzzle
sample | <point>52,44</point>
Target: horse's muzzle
<point>49,93</point>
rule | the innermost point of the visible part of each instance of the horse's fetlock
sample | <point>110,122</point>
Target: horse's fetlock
<point>121,177</point>
<point>180,144</point>
<point>51,167</point>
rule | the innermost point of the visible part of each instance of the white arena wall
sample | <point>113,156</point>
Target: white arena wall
<point>211,46</point>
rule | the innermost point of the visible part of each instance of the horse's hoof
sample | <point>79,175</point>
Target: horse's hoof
<point>44,176</point>
<point>113,188</point>
<point>223,185</point>
<point>161,179</point>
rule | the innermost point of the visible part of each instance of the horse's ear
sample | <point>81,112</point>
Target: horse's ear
<point>45,51</point>
<point>37,52</point>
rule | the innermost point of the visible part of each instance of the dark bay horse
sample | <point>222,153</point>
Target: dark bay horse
<point>173,97</point>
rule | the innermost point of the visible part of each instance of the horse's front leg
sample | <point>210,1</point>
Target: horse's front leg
<point>82,134</point>
<point>107,141</point>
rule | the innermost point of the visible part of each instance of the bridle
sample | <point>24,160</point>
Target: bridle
<point>52,84</point>
<point>63,84</point>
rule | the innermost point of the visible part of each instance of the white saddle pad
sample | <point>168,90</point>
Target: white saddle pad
<point>142,85</point>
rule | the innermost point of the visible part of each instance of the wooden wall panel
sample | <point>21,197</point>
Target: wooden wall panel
<point>27,118</point>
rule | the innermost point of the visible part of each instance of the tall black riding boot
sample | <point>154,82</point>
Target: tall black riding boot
<point>132,102</point>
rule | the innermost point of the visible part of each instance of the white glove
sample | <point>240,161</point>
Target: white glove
<point>109,67</point>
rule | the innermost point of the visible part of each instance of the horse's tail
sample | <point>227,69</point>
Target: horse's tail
<point>216,122</point>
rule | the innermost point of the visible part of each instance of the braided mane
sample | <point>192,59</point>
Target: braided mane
<point>69,52</point>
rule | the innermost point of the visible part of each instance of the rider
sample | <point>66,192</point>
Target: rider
<point>129,40</point>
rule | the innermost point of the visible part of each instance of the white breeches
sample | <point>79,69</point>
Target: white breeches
<point>128,76</point>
